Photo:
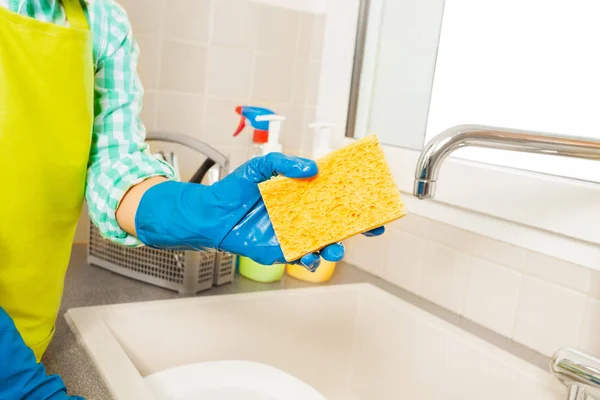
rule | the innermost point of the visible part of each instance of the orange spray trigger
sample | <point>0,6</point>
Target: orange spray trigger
<point>242,123</point>
<point>240,127</point>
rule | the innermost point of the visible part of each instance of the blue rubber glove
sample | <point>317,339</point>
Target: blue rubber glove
<point>229,215</point>
<point>21,378</point>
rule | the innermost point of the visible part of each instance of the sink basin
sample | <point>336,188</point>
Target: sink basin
<point>347,342</point>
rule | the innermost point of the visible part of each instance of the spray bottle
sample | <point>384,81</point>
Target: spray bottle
<point>267,126</point>
<point>265,140</point>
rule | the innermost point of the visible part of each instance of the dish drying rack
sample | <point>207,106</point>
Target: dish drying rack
<point>187,272</point>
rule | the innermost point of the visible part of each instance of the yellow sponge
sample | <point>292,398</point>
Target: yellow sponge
<point>354,192</point>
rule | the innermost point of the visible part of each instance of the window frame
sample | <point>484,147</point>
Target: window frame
<point>543,213</point>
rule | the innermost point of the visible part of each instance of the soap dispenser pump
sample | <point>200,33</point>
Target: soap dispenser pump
<point>323,132</point>
<point>275,121</point>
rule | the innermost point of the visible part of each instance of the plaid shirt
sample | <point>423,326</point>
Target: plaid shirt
<point>119,158</point>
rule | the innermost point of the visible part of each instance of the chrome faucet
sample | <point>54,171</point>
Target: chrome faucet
<point>579,371</point>
<point>442,145</point>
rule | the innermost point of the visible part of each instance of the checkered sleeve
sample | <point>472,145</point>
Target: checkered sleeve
<point>119,158</point>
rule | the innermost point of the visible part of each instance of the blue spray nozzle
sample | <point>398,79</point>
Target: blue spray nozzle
<point>250,113</point>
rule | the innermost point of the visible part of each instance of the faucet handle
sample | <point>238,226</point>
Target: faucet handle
<point>579,371</point>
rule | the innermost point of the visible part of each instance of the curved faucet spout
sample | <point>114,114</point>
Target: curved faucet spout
<point>490,137</point>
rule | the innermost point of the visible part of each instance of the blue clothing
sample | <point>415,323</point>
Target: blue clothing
<point>21,377</point>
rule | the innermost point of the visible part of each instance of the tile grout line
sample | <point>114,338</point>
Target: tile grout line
<point>465,291</point>
<point>422,282</point>
<point>256,37</point>
<point>211,23</point>
<point>295,65</point>
<point>588,285</point>
<point>421,261</point>
<point>519,295</point>
<point>583,319</point>
<point>159,69</point>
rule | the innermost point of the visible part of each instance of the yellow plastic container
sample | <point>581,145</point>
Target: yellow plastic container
<point>321,275</point>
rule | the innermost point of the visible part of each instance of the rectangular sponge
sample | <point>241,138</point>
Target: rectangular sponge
<point>354,192</point>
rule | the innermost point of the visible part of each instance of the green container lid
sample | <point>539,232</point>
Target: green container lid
<point>260,273</point>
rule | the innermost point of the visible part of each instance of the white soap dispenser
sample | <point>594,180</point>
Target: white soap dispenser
<point>275,121</point>
<point>323,132</point>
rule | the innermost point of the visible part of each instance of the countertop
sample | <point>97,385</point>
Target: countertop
<point>87,285</point>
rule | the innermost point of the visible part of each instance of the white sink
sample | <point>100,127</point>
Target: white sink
<point>347,342</point>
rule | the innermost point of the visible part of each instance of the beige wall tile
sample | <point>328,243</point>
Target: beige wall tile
<point>187,20</point>
<point>313,80</point>
<point>272,79</point>
<point>444,278</point>
<point>308,136</point>
<point>283,108</point>
<point>271,105</point>
<point>504,254</point>
<point>548,316</point>
<point>236,23</point>
<point>146,16</point>
<point>450,236</point>
<point>594,284</point>
<point>300,82</point>
<point>148,114</point>
<point>366,253</point>
<point>306,21</point>
<point>181,113</point>
<point>277,31</point>
<point>220,123</point>
<point>413,224</point>
<point>492,295</point>
<point>589,339</point>
<point>183,67</point>
<point>561,272</point>
<point>149,61</point>
<point>229,73</point>
<point>291,135</point>
<point>312,35</point>
<point>318,37</point>
<point>404,260</point>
